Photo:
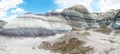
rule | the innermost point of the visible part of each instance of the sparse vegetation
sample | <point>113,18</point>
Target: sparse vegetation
<point>72,46</point>
<point>104,30</point>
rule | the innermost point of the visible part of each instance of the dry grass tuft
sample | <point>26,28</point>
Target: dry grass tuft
<point>72,46</point>
<point>104,30</point>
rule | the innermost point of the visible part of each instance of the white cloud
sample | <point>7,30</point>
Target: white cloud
<point>18,10</point>
<point>68,3</point>
<point>10,17</point>
<point>6,5</point>
<point>102,5</point>
<point>106,5</point>
<point>2,13</point>
<point>13,16</point>
<point>59,10</point>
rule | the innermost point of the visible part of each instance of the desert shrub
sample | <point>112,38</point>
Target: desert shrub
<point>87,28</point>
<point>46,45</point>
<point>72,46</point>
<point>117,32</point>
<point>77,32</point>
<point>104,30</point>
<point>75,29</point>
<point>85,33</point>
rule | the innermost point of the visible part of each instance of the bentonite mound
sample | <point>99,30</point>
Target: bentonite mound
<point>76,10</point>
<point>79,17</point>
<point>79,8</point>
<point>34,25</point>
<point>2,23</point>
<point>74,18</point>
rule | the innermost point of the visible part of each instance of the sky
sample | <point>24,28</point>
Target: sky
<point>38,6</point>
<point>13,8</point>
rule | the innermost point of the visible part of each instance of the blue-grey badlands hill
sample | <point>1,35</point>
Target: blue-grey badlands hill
<point>74,18</point>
